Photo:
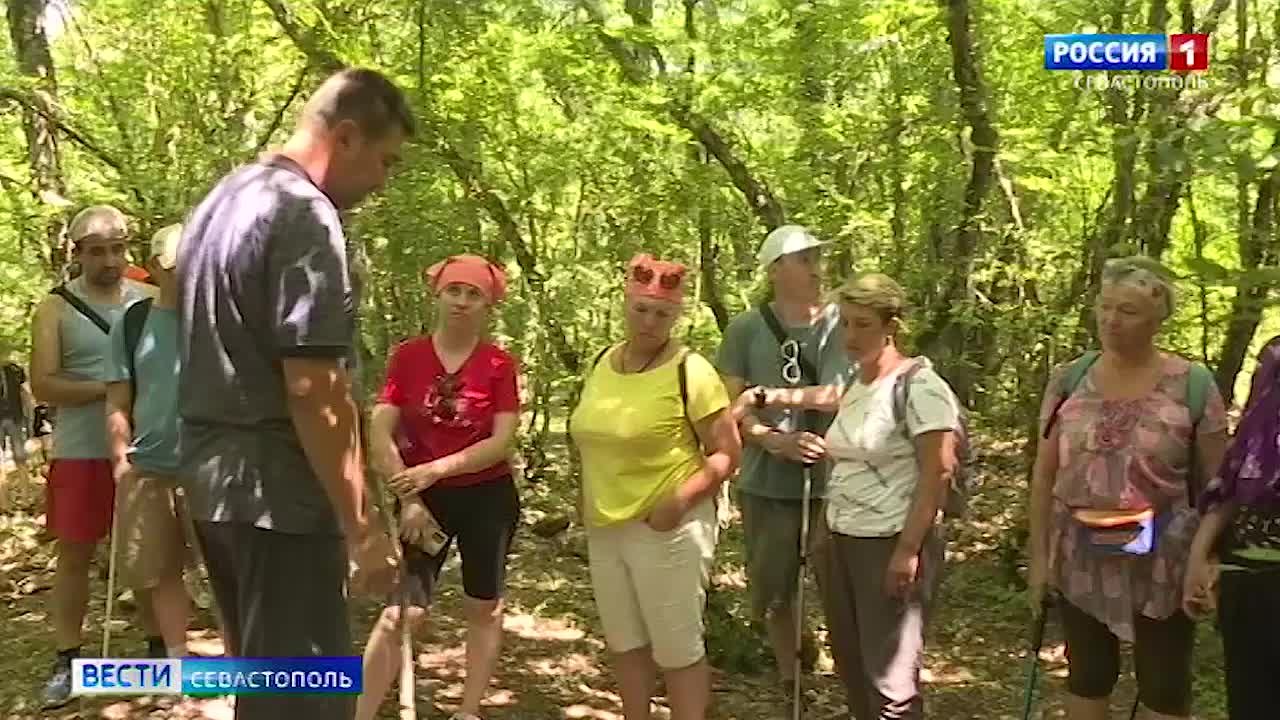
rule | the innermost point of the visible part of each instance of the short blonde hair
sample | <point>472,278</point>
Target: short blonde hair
<point>1146,274</point>
<point>876,291</point>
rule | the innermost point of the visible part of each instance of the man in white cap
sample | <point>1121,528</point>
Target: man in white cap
<point>142,434</point>
<point>70,344</point>
<point>791,339</point>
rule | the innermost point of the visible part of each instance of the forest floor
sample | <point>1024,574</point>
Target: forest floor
<point>554,662</point>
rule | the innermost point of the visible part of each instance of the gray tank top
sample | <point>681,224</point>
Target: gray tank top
<point>80,432</point>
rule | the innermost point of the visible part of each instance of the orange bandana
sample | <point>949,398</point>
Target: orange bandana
<point>473,270</point>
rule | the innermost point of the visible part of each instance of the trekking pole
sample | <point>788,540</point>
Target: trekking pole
<point>799,604</point>
<point>1037,642</point>
<point>111,577</point>
<point>408,683</point>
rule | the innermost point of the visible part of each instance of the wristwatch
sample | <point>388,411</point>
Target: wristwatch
<point>761,396</point>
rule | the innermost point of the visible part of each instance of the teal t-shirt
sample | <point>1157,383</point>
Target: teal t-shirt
<point>155,411</point>
<point>751,352</point>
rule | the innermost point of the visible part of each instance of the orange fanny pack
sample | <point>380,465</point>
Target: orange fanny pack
<point>1119,532</point>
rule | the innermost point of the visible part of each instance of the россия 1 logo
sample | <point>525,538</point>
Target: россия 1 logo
<point>1083,51</point>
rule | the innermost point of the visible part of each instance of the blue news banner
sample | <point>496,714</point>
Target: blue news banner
<point>197,676</point>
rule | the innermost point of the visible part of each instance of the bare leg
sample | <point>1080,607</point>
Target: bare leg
<point>689,691</point>
<point>70,596</point>
<point>781,626</point>
<point>382,658</point>
<point>171,609</point>
<point>1079,708</point>
<point>637,676</point>
<point>484,639</point>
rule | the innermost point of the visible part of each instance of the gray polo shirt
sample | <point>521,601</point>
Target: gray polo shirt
<point>262,276</point>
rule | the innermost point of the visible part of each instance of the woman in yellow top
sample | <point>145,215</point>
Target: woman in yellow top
<point>652,462</point>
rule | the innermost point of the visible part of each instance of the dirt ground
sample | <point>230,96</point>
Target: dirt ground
<point>554,663</point>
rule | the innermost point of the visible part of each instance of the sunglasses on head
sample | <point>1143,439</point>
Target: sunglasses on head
<point>668,280</point>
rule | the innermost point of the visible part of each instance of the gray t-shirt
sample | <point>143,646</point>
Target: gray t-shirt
<point>155,407</point>
<point>262,276</point>
<point>751,352</point>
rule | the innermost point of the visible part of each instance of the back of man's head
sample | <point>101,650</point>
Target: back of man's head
<point>365,97</point>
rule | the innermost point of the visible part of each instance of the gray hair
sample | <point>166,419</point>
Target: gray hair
<point>1146,274</point>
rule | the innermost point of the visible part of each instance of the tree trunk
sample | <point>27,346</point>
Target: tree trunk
<point>1254,238</point>
<point>31,50</point>
<point>945,337</point>
<point>1124,156</point>
<point>1246,306</point>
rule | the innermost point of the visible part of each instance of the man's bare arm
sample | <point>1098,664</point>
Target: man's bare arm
<point>47,384</point>
<point>119,429</point>
<point>324,416</point>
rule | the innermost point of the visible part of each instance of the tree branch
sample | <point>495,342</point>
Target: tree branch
<point>759,197</point>
<point>79,138</point>
<point>279,116</point>
<point>304,39</point>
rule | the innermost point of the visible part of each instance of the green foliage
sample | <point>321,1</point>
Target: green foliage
<point>849,113</point>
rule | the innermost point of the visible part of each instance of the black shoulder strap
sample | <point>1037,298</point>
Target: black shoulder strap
<point>807,371</point>
<point>600,356</point>
<point>135,318</point>
<point>80,305</point>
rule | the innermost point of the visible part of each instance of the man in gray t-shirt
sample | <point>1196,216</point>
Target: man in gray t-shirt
<point>777,443</point>
<point>270,454</point>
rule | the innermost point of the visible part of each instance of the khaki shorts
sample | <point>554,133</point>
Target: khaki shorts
<point>153,541</point>
<point>651,587</point>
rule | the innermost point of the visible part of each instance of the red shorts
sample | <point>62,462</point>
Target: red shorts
<point>79,498</point>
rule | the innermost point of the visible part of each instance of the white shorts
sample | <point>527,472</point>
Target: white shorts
<point>651,587</point>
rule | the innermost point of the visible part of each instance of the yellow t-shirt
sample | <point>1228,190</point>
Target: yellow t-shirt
<point>635,442</point>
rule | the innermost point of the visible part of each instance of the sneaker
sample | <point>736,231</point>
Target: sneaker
<point>57,691</point>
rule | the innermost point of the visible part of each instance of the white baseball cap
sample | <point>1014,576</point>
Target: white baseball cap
<point>164,246</point>
<point>785,240</point>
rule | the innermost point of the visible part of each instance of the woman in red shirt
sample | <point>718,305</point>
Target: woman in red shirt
<point>442,430</point>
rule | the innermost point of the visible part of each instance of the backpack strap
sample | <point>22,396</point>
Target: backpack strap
<point>901,388</point>
<point>1070,381</point>
<point>1199,380</point>
<point>135,318</point>
<point>807,370</point>
<point>80,305</point>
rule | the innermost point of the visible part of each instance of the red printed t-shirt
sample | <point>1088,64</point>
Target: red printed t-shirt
<point>442,414</point>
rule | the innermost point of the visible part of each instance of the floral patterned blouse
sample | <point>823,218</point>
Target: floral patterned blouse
<point>1118,455</point>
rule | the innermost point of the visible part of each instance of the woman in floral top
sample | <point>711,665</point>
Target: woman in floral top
<point>1241,526</point>
<point>1118,454</point>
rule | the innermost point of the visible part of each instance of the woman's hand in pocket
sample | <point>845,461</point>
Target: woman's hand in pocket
<point>666,515</point>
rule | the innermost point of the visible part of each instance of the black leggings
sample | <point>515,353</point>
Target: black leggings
<point>1247,617</point>
<point>483,518</point>
<point>1161,654</point>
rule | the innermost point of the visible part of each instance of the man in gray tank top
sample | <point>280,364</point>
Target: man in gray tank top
<point>70,343</point>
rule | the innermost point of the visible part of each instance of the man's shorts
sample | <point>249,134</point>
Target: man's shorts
<point>152,527</point>
<point>14,434</point>
<point>78,499</point>
<point>771,534</point>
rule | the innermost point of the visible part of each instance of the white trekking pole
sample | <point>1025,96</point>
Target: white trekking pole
<point>799,602</point>
<point>111,579</point>
<point>408,683</point>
